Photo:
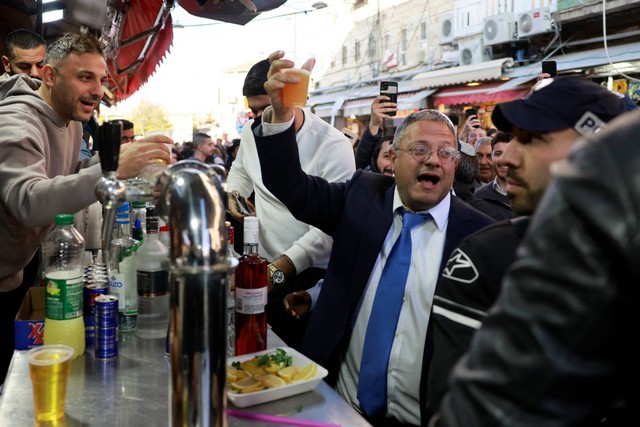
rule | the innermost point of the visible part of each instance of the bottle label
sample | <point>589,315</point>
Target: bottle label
<point>251,301</point>
<point>152,283</point>
<point>64,296</point>
<point>116,287</point>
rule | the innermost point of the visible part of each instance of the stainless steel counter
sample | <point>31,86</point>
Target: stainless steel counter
<point>133,390</point>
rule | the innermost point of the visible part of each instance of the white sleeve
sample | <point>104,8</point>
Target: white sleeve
<point>314,293</point>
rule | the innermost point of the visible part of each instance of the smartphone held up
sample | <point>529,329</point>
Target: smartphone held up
<point>390,89</point>
<point>550,67</point>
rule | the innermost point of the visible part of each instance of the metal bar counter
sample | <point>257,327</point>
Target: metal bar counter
<point>133,390</point>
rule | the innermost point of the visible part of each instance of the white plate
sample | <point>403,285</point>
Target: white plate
<point>262,396</point>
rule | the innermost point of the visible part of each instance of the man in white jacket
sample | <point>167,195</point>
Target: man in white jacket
<point>297,252</point>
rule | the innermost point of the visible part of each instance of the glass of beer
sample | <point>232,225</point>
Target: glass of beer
<point>49,367</point>
<point>295,94</point>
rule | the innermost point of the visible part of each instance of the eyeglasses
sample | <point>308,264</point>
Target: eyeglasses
<point>420,153</point>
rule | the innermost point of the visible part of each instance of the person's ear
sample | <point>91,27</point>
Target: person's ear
<point>6,64</point>
<point>48,74</point>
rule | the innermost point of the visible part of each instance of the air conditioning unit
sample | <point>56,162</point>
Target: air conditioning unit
<point>498,29</point>
<point>446,28</point>
<point>473,52</point>
<point>536,21</point>
<point>451,56</point>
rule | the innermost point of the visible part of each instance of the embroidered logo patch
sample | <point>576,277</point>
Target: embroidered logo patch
<point>460,268</point>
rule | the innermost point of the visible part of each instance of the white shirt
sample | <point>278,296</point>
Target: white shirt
<point>324,152</point>
<point>405,360</point>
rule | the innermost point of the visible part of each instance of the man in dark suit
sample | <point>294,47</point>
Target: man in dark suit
<point>367,217</point>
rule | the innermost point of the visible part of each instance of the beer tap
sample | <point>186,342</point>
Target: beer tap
<point>192,203</point>
<point>109,190</point>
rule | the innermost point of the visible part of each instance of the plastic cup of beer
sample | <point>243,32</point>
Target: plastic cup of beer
<point>49,367</point>
<point>295,94</point>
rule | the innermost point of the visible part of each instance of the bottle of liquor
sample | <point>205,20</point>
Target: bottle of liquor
<point>153,283</point>
<point>251,294</point>
<point>121,268</point>
<point>62,254</point>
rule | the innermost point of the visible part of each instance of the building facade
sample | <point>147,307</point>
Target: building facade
<point>456,54</point>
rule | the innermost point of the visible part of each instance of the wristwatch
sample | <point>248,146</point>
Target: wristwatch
<point>277,276</point>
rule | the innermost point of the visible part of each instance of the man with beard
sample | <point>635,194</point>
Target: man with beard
<point>40,175</point>
<point>25,53</point>
<point>545,125</point>
<point>493,192</point>
<point>203,147</point>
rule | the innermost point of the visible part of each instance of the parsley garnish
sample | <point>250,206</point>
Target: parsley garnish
<point>279,357</point>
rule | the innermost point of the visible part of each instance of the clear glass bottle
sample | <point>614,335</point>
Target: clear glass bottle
<point>121,268</point>
<point>62,254</point>
<point>153,283</point>
<point>139,211</point>
<point>137,233</point>
<point>251,294</point>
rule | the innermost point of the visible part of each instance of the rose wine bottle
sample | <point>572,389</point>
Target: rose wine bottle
<point>251,294</point>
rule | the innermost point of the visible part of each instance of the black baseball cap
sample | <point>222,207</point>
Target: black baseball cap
<point>561,103</point>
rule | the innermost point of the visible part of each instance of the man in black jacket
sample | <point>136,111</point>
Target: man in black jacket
<point>550,352</point>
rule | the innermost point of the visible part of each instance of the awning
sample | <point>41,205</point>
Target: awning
<point>579,60</point>
<point>406,101</point>
<point>140,36</point>
<point>516,83</point>
<point>477,95</point>
<point>139,33</point>
<point>490,70</point>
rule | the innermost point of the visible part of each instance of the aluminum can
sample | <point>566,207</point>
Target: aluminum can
<point>90,293</point>
<point>106,322</point>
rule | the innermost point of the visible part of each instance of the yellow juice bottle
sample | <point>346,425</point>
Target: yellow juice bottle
<point>62,256</point>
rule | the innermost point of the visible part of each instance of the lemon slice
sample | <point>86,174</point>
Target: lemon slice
<point>232,374</point>
<point>246,383</point>
<point>287,373</point>
<point>305,373</point>
<point>271,381</point>
<point>272,368</point>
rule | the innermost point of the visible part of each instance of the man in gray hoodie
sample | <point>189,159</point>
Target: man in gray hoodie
<point>40,175</point>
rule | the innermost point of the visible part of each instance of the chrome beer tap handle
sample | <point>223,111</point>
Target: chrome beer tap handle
<point>109,190</point>
<point>191,202</point>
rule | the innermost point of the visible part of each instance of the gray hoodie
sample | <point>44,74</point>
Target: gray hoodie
<point>39,174</point>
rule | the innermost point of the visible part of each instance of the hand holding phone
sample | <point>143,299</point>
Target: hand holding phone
<point>550,67</point>
<point>472,112</point>
<point>390,89</point>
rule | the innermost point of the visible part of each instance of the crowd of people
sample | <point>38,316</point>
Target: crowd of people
<point>444,276</point>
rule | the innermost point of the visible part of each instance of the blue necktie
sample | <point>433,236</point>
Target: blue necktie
<point>372,382</point>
